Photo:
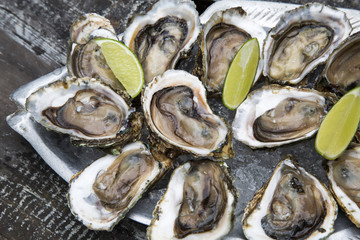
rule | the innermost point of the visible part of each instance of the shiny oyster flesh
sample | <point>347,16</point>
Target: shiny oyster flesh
<point>221,38</point>
<point>84,58</point>
<point>302,39</point>
<point>290,119</point>
<point>343,67</point>
<point>199,203</point>
<point>158,38</point>
<point>292,205</point>
<point>275,115</point>
<point>177,113</point>
<point>344,178</point>
<point>92,113</point>
<point>101,194</point>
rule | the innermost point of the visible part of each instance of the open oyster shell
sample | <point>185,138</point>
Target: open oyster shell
<point>92,113</point>
<point>90,25</point>
<point>302,39</point>
<point>344,178</point>
<point>274,115</point>
<point>162,35</point>
<point>101,194</point>
<point>199,203</point>
<point>226,30</point>
<point>84,57</point>
<point>342,70</point>
<point>180,119</point>
<point>292,205</point>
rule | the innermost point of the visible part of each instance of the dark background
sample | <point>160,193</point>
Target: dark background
<point>33,42</point>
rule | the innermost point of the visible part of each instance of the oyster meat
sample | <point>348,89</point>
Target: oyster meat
<point>343,67</point>
<point>177,113</point>
<point>92,113</point>
<point>84,57</point>
<point>221,38</point>
<point>101,194</point>
<point>292,205</point>
<point>199,203</point>
<point>275,115</point>
<point>344,178</point>
<point>159,37</point>
<point>302,39</point>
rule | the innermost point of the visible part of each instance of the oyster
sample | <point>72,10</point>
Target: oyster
<point>344,178</point>
<point>101,194</point>
<point>158,38</point>
<point>84,57</point>
<point>199,203</point>
<point>292,205</point>
<point>178,116</point>
<point>89,26</point>
<point>221,38</point>
<point>275,115</point>
<point>302,39</point>
<point>343,67</point>
<point>92,113</point>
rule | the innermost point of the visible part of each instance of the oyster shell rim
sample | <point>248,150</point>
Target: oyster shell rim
<point>153,87</point>
<point>333,55</point>
<point>134,119</point>
<point>231,203</point>
<point>350,208</point>
<point>158,171</point>
<point>287,18</point>
<point>253,205</point>
<point>219,9</point>
<point>73,45</point>
<point>240,125</point>
<point>154,14</point>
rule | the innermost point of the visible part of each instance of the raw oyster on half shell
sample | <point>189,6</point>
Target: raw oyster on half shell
<point>101,194</point>
<point>84,57</point>
<point>199,203</point>
<point>292,205</point>
<point>162,35</point>
<point>222,36</point>
<point>343,67</point>
<point>179,117</point>
<point>274,115</point>
<point>344,178</point>
<point>302,39</point>
<point>92,113</point>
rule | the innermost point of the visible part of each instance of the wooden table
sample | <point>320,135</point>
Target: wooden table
<point>33,42</point>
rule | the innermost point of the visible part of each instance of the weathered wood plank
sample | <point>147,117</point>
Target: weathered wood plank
<point>43,26</point>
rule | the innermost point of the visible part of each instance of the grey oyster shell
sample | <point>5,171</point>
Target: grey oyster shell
<point>199,203</point>
<point>163,35</point>
<point>72,104</point>
<point>226,29</point>
<point>307,35</point>
<point>285,122</point>
<point>292,204</point>
<point>84,57</point>
<point>342,69</point>
<point>94,196</point>
<point>343,175</point>
<point>180,120</point>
